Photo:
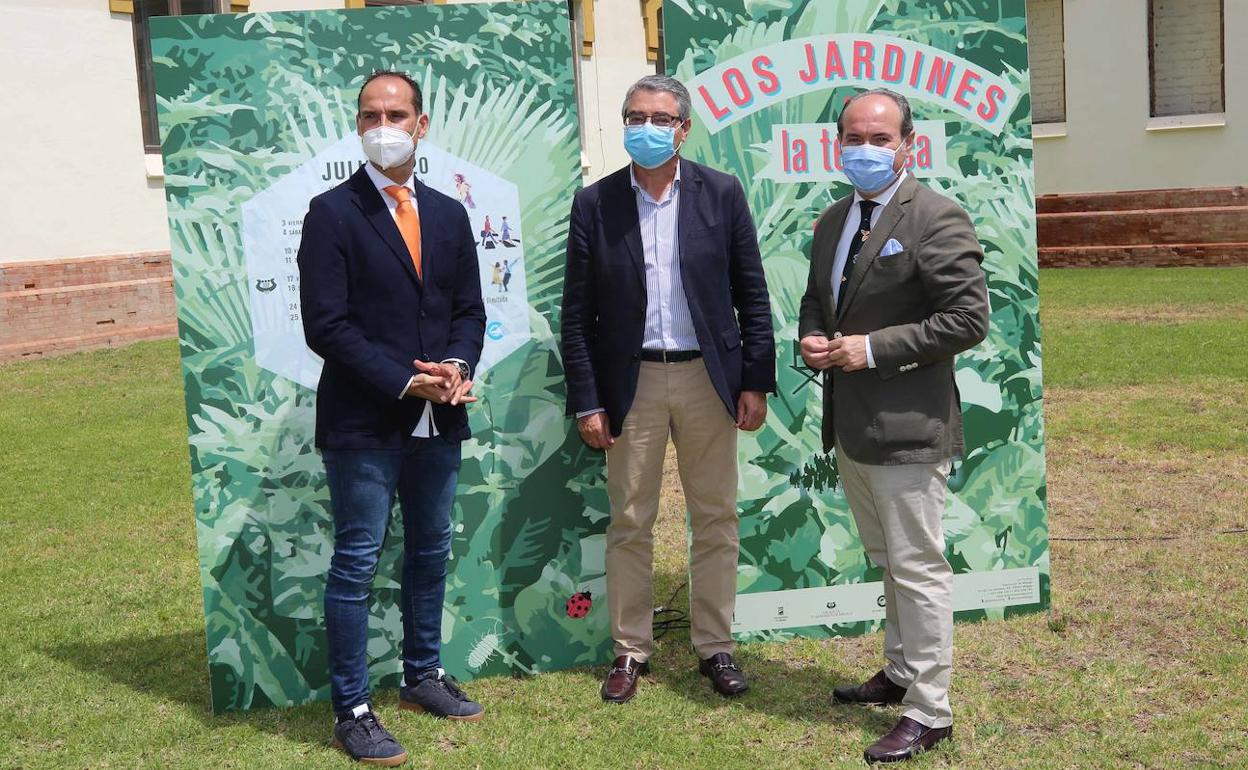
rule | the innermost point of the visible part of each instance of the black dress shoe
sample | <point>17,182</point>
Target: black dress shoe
<point>621,683</point>
<point>725,676</point>
<point>908,739</point>
<point>879,690</point>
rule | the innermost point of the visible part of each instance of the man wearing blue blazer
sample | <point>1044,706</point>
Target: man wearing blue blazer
<point>391,297</point>
<point>667,332</point>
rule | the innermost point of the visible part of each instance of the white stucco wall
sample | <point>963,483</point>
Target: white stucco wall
<point>68,75</point>
<point>619,60</point>
<point>77,111</point>
<point>75,179</point>
<point>1110,142</point>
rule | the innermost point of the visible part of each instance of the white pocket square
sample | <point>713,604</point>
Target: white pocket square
<point>891,248</point>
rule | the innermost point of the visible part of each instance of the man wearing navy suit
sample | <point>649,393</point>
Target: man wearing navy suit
<point>391,298</point>
<point>667,332</point>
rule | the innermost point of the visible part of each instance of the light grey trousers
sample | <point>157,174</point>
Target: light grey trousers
<point>898,510</point>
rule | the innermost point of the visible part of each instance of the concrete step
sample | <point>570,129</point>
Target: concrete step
<point>1136,200</point>
<point>1167,255</point>
<point>1223,224</point>
<point>110,338</point>
<point>64,305</point>
<point>74,311</point>
<point>111,268</point>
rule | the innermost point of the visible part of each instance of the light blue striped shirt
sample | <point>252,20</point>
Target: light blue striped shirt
<point>668,323</point>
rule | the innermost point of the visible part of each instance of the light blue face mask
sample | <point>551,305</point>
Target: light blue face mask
<point>868,167</point>
<point>650,146</point>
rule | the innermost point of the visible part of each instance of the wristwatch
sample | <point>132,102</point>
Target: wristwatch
<point>464,371</point>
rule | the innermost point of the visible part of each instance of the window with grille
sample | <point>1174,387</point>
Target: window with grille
<point>1046,46</point>
<point>1186,62</point>
<point>144,11</point>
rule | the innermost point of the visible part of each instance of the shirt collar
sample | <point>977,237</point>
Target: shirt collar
<point>632,178</point>
<point>382,181</point>
<point>886,196</point>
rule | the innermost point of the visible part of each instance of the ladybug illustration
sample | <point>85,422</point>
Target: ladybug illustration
<point>580,604</point>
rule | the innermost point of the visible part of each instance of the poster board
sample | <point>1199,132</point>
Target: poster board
<point>768,80</point>
<point>257,115</point>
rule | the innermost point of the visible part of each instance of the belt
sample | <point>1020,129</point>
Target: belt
<point>670,356</point>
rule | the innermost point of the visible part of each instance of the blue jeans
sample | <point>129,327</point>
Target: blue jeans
<point>362,487</point>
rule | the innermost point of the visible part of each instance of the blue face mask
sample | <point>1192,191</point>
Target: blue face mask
<point>650,146</point>
<point>868,167</point>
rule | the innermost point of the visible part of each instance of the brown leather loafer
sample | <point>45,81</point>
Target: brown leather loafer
<point>879,690</point>
<point>621,683</point>
<point>908,739</point>
<point>725,676</point>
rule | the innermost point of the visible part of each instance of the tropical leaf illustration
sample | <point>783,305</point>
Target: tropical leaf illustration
<point>796,530</point>
<point>245,101</point>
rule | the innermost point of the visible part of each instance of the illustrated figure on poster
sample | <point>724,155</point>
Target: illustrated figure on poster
<point>464,189</point>
<point>488,236</point>
<point>650,355</point>
<point>399,353</point>
<point>506,274</point>
<point>497,278</point>
<point>895,291</point>
<point>509,240</point>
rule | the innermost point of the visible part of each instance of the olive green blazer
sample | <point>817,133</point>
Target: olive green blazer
<point>921,306</point>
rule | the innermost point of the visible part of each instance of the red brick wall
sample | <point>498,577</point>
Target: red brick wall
<point>58,306</point>
<point>1144,228</point>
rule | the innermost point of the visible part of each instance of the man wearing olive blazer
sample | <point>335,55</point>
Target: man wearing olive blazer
<point>895,292</point>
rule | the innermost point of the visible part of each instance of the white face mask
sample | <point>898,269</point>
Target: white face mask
<point>388,146</point>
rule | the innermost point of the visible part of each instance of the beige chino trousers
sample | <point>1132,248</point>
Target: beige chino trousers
<point>898,510</point>
<point>675,399</point>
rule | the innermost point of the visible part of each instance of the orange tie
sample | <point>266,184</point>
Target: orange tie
<point>408,221</point>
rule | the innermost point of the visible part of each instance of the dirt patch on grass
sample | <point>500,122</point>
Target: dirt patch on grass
<point>1149,315</point>
<point>1150,603</point>
<point>1110,477</point>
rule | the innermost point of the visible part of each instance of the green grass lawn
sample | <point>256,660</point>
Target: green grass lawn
<point>1140,664</point>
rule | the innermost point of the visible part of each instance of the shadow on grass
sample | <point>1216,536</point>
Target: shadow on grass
<point>173,669</point>
<point>799,690</point>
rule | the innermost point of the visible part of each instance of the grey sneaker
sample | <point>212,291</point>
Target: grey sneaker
<point>365,740</point>
<point>440,696</point>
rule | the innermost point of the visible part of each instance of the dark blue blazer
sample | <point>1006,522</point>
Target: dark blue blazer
<point>368,315</point>
<point>604,291</point>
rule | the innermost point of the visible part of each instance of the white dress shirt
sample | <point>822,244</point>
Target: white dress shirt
<point>426,428</point>
<point>668,323</point>
<point>853,220</point>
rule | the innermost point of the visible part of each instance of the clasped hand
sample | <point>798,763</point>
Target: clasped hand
<point>440,383</point>
<point>821,353</point>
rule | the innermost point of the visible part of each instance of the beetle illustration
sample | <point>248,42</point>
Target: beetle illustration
<point>580,604</point>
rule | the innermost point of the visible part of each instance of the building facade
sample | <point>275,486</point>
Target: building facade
<point>1129,95</point>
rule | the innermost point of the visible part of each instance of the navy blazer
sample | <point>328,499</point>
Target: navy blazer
<point>604,291</point>
<point>368,315</point>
